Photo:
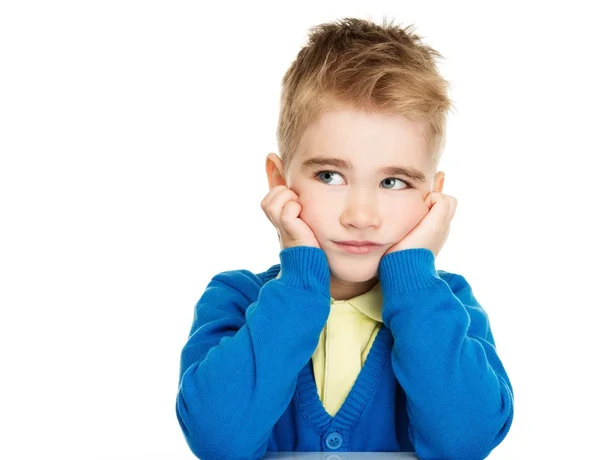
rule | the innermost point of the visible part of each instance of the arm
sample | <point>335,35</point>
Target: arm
<point>239,367</point>
<point>459,397</point>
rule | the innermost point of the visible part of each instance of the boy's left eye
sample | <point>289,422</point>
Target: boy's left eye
<point>394,181</point>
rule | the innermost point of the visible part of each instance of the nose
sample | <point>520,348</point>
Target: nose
<point>360,211</point>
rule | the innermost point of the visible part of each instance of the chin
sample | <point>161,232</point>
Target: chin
<point>357,271</point>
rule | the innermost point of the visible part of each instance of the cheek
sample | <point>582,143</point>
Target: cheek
<point>312,214</point>
<point>411,215</point>
<point>314,211</point>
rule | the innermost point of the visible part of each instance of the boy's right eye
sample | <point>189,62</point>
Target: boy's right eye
<point>325,176</point>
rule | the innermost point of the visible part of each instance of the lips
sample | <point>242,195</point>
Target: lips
<point>358,243</point>
<point>359,248</point>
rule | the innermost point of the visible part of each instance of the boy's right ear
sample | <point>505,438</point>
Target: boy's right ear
<point>274,168</point>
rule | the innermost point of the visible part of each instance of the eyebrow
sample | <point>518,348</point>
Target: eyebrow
<point>407,171</point>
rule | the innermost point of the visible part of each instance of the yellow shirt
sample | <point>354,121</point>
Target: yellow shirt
<point>344,344</point>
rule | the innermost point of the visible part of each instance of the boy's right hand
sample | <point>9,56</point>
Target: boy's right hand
<point>282,208</point>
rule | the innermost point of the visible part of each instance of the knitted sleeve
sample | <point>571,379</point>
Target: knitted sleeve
<point>459,397</point>
<point>241,361</point>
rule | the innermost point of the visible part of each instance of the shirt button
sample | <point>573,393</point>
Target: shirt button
<point>334,441</point>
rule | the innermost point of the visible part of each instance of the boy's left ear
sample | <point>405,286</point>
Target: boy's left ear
<point>438,181</point>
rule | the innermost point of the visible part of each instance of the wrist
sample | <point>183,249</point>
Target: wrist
<point>407,270</point>
<point>305,267</point>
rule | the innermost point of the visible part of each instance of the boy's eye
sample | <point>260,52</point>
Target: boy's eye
<point>325,176</point>
<point>394,181</point>
<point>388,183</point>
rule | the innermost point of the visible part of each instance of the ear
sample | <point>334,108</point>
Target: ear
<point>274,168</point>
<point>438,181</point>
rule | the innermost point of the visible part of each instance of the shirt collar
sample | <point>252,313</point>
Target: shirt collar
<point>370,303</point>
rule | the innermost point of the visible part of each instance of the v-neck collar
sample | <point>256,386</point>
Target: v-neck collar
<point>308,398</point>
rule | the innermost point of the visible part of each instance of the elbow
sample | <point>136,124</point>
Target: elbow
<point>467,439</point>
<point>467,448</point>
<point>192,432</point>
<point>459,447</point>
<point>483,437</point>
<point>209,440</point>
<point>486,428</point>
<point>471,447</point>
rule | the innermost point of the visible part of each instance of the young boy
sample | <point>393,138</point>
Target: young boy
<point>354,342</point>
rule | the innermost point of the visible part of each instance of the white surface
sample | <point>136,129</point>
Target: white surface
<point>341,455</point>
<point>132,140</point>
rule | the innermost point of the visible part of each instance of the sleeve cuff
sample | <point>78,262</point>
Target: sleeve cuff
<point>306,268</point>
<point>407,270</point>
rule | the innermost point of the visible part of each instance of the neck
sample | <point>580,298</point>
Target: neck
<point>344,290</point>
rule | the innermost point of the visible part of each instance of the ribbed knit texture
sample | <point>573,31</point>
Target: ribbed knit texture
<point>432,382</point>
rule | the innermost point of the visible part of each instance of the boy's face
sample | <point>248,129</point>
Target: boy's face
<point>361,202</point>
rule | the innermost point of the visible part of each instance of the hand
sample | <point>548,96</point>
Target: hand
<point>432,231</point>
<point>282,208</point>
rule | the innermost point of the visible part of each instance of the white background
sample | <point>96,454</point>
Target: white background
<point>133,137</point>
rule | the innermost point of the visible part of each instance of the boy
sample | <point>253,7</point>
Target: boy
<point>355,342</point>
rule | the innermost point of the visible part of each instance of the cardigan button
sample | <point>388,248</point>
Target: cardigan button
<point>334,441</point>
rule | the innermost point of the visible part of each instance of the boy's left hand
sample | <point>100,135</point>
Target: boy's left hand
<point>432,231</point>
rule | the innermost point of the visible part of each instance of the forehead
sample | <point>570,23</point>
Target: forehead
<point>366,139</point>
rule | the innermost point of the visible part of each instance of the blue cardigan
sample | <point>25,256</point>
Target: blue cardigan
<point>432,383</point>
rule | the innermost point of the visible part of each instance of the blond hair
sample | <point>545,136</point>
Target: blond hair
<point>357,63</point>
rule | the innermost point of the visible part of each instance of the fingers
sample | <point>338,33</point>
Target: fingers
<point>283,208</point>
<point>445,204</point>
<point>274,201</point>
<point>289,213</point>
<point>453,203</point>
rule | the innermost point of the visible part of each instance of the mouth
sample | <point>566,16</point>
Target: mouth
<point>358,247</point>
